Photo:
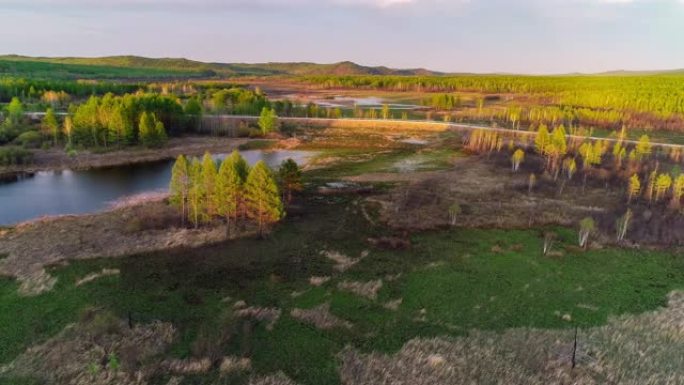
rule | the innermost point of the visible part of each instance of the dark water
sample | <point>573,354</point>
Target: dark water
<point>75,192</point>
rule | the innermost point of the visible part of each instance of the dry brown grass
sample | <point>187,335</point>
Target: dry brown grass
<point>275,379</point>
<point>79,355</point>
<point>320,317</point>
<point>342,262</point>
<point>93,276</point>
<point>368,289</point>
<point>489,196</point>
<point>186,366</point>
<point>235,364</point>
<point>124,231</point>
<point>644,349</point>
<point>270,315</point>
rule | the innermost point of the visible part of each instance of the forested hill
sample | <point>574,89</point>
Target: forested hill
<point>136,67</point>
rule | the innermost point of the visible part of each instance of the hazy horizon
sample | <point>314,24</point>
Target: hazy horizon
<point>474,36</point>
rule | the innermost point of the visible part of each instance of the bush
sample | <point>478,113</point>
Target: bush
<point>254,133</point>
<point>8,133</point>
<point>12,156</point>
<point>99,322</point>
<point>29,139</point>
<point>152,216</point>
<point>288,129</point>
<point>243,131</point>
<point>213,338</point>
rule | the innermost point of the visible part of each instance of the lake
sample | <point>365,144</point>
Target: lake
<point>76,192</point>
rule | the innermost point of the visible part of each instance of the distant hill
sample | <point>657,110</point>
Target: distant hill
<point>136,67</point>
<point>643,73</point>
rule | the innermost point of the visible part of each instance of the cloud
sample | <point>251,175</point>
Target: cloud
<point>220,4</point>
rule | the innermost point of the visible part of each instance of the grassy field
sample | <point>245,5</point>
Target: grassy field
<point>449,281</point>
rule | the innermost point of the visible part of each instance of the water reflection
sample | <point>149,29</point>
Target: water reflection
<point>75,192</point>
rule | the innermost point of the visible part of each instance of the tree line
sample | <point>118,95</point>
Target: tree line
<point>33,90</point>
<point>130,119</point>
<point>658,96</point>
<point>205,193</point>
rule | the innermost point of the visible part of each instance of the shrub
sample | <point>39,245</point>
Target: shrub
<point>243,131</point>
<point>151,217</point>
<point>12,156</point>
<point>29,139</point>
<point>8,133</point>
<point>99,322</point>
<point>212,339</point>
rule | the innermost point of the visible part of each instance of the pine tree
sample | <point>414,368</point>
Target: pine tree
<point>517,158</point>
<point>557,148</point>
<point>15,112</point>
<point>542,140</point>
<point>151,131</point>
<point>663,184</point>
<point>180,185</point>
<point>229,188</point>
<point>147,130</point>
<point>68,130</point>
<point>290,176</point>
<point>622,225</point>
<point>160,133</point>
<point>643,147</point>
<point>208,181</point>
<point>195,193</point>
<point>651,186</point>
<point>240,164</point>
<point>587,226</point>
<point>193,114</point>
<point>385,111</point>
<point>262,197</point>
<point>634,187</point>
<point>118,126</point>
<point>50,125</point>
<point>570,167</point>
<point>268,120</point>
<point>677,190</point>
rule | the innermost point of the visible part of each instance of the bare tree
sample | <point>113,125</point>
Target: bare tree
<point>622,225</point>
<point>587,226</point>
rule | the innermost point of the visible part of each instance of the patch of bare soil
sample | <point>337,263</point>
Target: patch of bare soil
<point>320,317</point>
<point>275,379</point>
<point>93,276</point>
<point>488,196</point>
<point>126,230</point>
<point>368,289</point>
<point>629,350</point>
<point>101,350</point>
<point>233,364</point>
<point>318,281</point>
<point>56,159</point>
<point>270,315</point>
<point>186,366</point>
<point>342,262</point>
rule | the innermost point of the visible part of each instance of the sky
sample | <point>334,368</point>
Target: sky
<point>481,36</point>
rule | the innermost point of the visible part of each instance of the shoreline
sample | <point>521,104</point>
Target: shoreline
<point>57,159</point>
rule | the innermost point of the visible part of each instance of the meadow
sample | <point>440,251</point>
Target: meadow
<point>448,282</point>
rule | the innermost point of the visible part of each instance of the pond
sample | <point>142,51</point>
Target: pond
<point>369,102</point>
<point>76,192</point>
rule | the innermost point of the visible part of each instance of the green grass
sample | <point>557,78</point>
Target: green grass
<point>62,71</point>
<point>454,275</point>
<point>450,281</point>
<point>402,160</point>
